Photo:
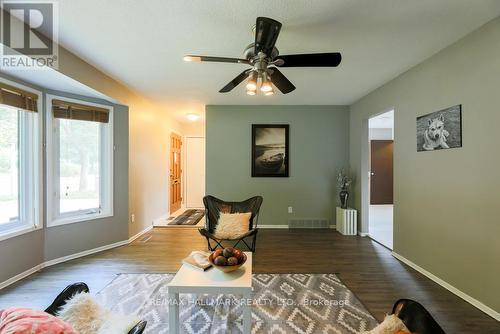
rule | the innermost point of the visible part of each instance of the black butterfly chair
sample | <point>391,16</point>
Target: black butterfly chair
<point>214,207</point>
<point>415,317</point>
<point>72,290</point>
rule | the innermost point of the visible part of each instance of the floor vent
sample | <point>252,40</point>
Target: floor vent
<point>309,223</point>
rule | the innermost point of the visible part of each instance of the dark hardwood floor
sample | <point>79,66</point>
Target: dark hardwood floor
<point>366,267</point>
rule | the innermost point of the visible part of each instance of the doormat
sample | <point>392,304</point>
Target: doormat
<point>188,217</point>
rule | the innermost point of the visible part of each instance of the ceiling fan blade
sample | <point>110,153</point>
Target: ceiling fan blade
<point>266,34</point>
<point>216,59</point>
<point>235,82</point>
<point>281,82</point>
<point>331,59</point>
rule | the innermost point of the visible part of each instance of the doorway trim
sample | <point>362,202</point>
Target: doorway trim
<point>169,178</point>
<point>365,169</point>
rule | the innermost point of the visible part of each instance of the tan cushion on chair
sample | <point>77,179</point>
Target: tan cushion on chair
<point>232,225</point>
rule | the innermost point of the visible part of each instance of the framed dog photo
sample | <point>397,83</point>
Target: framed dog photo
<point>440,130</point>
<point>270,150</point>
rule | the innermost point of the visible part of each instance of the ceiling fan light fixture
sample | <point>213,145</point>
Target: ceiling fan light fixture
<point>266,87</point>
<point>266,84</point>
<point>252,81</point>
<point>263,58</point>
<point>269,93</point>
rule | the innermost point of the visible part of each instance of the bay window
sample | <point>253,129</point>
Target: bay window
<point>20,152</point>
<point>80,161</point>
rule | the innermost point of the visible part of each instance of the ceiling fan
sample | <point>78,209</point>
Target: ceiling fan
<point>264,59</point>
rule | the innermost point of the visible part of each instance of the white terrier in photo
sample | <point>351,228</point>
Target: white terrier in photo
<point>435,136</point>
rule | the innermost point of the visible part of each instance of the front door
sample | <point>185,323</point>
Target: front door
<point>175,172</point>
<point>381,175</point>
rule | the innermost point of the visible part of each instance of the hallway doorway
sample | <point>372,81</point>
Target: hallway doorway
<point>381,151</point>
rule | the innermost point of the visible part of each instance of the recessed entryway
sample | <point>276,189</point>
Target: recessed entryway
<point>187,179</point>
<point>381,148</point>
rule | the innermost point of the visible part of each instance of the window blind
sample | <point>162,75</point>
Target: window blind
<point>81,112</point>
<point>18,98</point>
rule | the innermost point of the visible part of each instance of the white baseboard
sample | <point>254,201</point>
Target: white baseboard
<point>146,230</point>
<point>49,263</point>
<point>471,300</point>
<point>20,276</point>
<point>84,253</point>
<point>363,234</point>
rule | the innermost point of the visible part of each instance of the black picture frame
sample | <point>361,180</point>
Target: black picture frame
<point>265,156</point>
<point>440,130</point>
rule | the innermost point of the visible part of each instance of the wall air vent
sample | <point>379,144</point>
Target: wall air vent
<point>309,223</point>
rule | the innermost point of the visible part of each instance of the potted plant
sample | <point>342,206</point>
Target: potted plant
<point>344,180</point>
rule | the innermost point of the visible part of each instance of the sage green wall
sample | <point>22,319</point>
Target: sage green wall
<point>446,213</point>
<point>318,147</point>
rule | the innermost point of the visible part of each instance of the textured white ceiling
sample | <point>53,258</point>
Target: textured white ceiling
<point>141,43</point>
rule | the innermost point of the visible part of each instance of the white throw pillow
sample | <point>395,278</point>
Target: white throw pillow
<point>88,317</point>
<point>232,225</point>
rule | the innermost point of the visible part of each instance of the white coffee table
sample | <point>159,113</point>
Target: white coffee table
<point>212,281</point>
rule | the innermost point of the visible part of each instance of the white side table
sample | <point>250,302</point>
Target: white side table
<point>347,221</point>
<point>212,281</point>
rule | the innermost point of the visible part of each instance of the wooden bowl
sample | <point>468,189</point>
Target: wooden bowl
<point>228,269</point>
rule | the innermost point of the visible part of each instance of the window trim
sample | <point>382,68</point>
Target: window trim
<point>36,171</point>
<point>20,230</point>
<point>83,215</point>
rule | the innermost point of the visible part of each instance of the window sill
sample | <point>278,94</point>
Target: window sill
<point>18,231</point>
<point>78,219</point>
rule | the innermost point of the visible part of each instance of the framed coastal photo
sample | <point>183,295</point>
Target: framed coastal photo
<point>440,130</point>
<point>270,150</point>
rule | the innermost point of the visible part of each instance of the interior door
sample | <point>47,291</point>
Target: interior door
<point>381,175</point>
<point>195,172</point>
<point>175,172</point>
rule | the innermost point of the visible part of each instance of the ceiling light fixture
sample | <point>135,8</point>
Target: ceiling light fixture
<point>252,81</point>
<point>271,92</point>
<point>266,83</point>
<point>251,92</point>
<point>192,117</point>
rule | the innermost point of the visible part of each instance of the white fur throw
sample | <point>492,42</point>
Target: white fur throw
<point>232,225</point>
<point>390,325</point>
<point>88,317</point>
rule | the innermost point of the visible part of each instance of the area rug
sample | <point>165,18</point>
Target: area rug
<point>188,217</point>
<point>282,303</point>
